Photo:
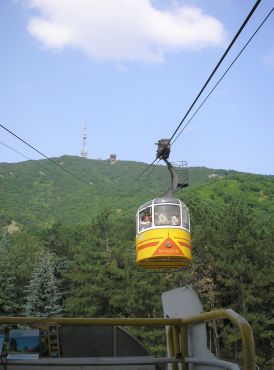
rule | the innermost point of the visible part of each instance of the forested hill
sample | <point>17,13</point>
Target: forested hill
<point>76,239</point>
<point>40,193</point>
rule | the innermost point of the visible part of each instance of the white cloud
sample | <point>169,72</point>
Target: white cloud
<point>122,29</point>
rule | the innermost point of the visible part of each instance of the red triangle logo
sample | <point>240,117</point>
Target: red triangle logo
<point>168,248</point>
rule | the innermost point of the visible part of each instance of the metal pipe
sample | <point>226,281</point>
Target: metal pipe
<point>212,362</point>
<point>176,344</point>
<point>236,319</point>
<point>241,323</point>
<point>171,347</point>
<point>89,321</point>
<point>184,346</point>
<point>98,361</point>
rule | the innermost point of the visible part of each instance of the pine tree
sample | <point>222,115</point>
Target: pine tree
<point>8,301</point>
<point>43,296</point>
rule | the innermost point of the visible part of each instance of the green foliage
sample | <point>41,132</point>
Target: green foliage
<point>14,271</point>
<point>90,231</point>
<point>8,305</point>
<point>37,193</point>
<point>43,296</point>
<point>6,242</point>
<point>233,268</point>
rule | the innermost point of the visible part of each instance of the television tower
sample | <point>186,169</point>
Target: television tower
<point>84,152</point>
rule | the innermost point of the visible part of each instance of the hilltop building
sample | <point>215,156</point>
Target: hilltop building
<point>112,158</point>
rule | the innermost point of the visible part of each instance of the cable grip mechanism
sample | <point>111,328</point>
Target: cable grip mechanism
<point>163,149</point>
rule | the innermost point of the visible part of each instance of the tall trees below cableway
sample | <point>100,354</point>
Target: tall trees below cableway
<point>90,271</point>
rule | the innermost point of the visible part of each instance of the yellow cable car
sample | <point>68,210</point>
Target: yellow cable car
<point>163,239</point>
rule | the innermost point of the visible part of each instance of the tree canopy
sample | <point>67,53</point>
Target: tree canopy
<point>76,244</point>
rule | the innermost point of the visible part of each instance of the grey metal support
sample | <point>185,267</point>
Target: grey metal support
<point>184,303</point>
<point>184,346</point>
<point>186,335</point>
<point>212,363</point>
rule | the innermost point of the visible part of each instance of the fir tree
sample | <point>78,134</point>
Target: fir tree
<point>8,301</point>
<point>43,296</point>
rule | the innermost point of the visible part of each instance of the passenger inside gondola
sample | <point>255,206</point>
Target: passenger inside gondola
<point>163,219</point>
<point>175,219</point>
<point>167,215</point>
<point>145,220</point>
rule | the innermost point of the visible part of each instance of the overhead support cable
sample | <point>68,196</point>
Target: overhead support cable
<point>143,172</point>
<point>43,155</point>
<point>218,65</point>
<point>24,156</point>
<point>15,151</point>
<point>205,85</point>
<point>190,108</point>
<point>223,75</point>
<point>153,167</point>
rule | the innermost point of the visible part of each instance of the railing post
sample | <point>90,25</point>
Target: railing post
<point>248,342</point>
<point>176,340</point>
<point>177,330</point>
<point>184,346</point>
<point>171,343</point>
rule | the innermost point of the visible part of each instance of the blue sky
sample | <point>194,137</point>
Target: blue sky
<point>131,69</point>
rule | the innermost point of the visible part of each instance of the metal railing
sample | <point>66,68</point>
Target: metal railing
<point>177,337</point>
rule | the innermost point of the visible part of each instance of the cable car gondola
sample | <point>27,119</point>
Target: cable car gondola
<point>163,239</point>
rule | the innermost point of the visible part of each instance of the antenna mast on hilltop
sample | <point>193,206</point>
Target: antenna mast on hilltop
<point>84,152</point>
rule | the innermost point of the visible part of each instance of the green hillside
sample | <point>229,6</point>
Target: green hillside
<point>40,193</point>
<point>83,235</point>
